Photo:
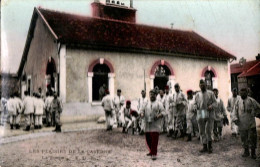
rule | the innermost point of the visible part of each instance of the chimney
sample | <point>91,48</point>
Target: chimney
<point>131,4</point>
<point>258,57</point>
<point>113,11</point>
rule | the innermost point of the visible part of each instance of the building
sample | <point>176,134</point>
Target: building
<point>247,75</point>
<point>76,55</point>
<point>9,84</point>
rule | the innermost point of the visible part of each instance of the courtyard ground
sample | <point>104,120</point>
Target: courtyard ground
<point>84,146</point>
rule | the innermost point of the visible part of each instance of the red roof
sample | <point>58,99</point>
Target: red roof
<point>254,70</point>
<point>237,68</point>
<point>104,33</point>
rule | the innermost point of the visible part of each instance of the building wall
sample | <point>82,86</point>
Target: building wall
<point>129,72</point>
<point>41,48</point>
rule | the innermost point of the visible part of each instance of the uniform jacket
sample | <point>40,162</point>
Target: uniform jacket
<point>191,109</point>
<point>203,100</point>
<point>11,107</point>
<point>141,101</point>
<point>18,105</point>
<point>219,109</point>
<point>28,105</point>
<point>150,110</point>
<point>56,105</point>
<point>107,103</point>
<point>231,103</point>
<point>39,106</point>
<point>48,101</point>
<point>179,104</point>
<point>119,101</point>
<point>245,112</point>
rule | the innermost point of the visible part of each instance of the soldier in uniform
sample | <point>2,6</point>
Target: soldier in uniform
<point>19,108</point>
<point>161,98</point>
<point>108,106</point>
<point>168,116</point>
<point>28,105</point>
<point>129,117</point>
<point>179,105</point>
<point>141,102</point>
<point>48,101</point>
<point>245,111</point>
<point>220,117</point>
<point>153,112</point>
<point>204,102</point>
<point>11,107</point>
<point>119,101</point>
<point>190,114</point>
<point>39,109</point>
<point>56,107</point>
<point>230,107</point>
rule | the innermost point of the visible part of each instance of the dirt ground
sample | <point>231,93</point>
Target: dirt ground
<point>101,148</point>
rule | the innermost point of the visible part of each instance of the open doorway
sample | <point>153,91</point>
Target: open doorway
<point>50,74</point>
<point>208,79</point>
<point>100,78</point>
<point>162,73</point>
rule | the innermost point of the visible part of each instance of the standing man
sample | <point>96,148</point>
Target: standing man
<point>142,101</point>
<point>220,117</point>
<point>204,102</point>
<point>168,116</point>
<point>245,111</point>
<point>108,106</point>
<point>19,107</point>
<point>56,108</point>
<point>161,98</point>
<point>39,109</point>
<point>102,92</point>
<point>48,102</point>
<point>11,107</point>
<point>153,113</point>
<point>230,107</point>
<point>179,103</point>
<point>190,114</point>
<point>119,101</point>
<point>28,110</point>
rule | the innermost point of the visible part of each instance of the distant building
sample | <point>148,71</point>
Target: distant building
<point>76,55</point>
<point>9,84</point>
<point>247,75</point>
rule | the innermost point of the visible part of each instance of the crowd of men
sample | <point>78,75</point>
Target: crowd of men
<point>201,114</point>
<point>32,108</point>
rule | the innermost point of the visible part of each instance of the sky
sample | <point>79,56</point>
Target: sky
<point>233,25</point>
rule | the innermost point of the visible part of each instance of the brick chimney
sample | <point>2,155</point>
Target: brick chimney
<point>113,10</point>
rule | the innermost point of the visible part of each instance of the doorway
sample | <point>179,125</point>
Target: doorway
<point>162,73</point>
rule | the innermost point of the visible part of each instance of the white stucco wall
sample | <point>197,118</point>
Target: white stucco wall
<point>129,72</point>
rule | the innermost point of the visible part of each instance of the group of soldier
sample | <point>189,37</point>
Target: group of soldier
<point>32,108</point>
<point>202,113</point>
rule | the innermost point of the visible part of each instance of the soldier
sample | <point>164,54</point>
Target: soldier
<point>168,116</point>
<point>141,102</point>
<point>41,93</point>
<point>28,105</point>
<point>11,107</point>
<point>220,117</point>
<point>48,101</point>
<point>161,98</point>
<point>107,104</point>
<point>102,92</point>
<point>245,111</point>
<point>56,107</point>
<point>204,102</point>
<point>129,117</point>
<point>179,105</point>
<point>39,108</point>
<point>19,107</point>
<point>119,101</point>
<point>190,114</point>
<point>153,113</point>
<point>230,107</point>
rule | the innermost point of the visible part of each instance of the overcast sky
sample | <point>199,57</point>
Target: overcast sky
<point>233,25</point>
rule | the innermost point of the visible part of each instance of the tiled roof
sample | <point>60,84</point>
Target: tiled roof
<point>237,69</point>
<point>254,70</point>
<point>104,33</point>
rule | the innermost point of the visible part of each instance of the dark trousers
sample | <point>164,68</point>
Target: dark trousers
<point>152,139</point>
<point>249,138</point>
<point>53,122</point>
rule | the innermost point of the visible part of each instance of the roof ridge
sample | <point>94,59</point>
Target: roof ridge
<point>253,67</point>
<point>113,20</point>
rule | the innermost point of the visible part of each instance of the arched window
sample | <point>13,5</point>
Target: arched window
<point>100,81</point>
<point>50,73</point>
<point>208,79</point>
